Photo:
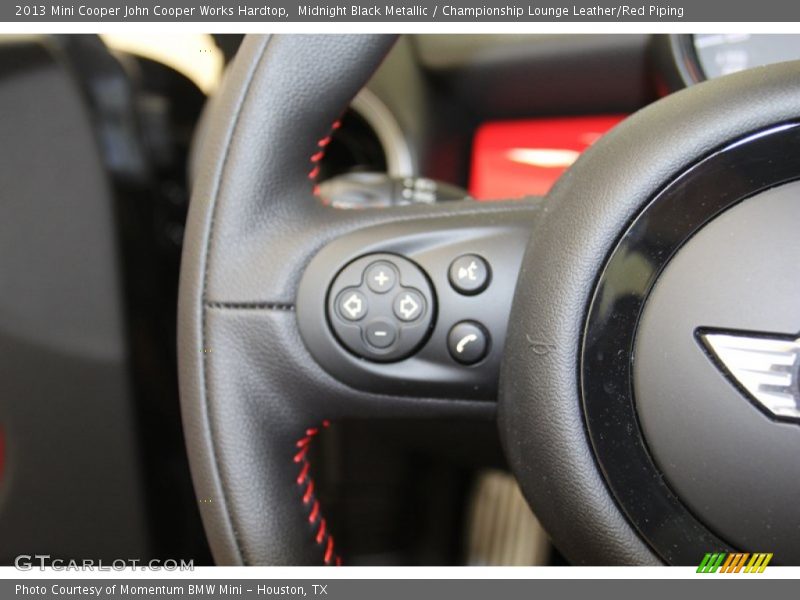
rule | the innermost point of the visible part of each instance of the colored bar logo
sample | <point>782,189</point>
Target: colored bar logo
<point>734,562</point>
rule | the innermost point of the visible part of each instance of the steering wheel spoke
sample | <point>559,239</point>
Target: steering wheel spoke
<point>270,349</point>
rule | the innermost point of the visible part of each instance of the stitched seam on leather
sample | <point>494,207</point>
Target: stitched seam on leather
<point>251,306</point>
<point>316,158</point>
<point>320,530</point>
<point>287,306</point>
<point>322,537</point>
<point>206,270</point>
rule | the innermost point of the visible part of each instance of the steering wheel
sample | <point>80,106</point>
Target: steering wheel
<point>634,333</point>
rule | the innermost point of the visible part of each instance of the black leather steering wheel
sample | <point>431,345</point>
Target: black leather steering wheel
<point>262,374</point>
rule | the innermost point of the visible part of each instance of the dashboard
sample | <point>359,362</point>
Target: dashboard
<point>504,115</point>
<point>705,56</point>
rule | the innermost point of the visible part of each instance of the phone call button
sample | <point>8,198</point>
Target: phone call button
<point>468,342</point>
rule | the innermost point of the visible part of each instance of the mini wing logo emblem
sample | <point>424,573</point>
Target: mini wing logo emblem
<point>766,366</point>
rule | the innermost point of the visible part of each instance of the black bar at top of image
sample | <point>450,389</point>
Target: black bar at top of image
<point>455,11</point>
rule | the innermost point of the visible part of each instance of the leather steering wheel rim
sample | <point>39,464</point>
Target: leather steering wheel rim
<point>250,231</point>
<point>541,416</point>
<point>253,399</point>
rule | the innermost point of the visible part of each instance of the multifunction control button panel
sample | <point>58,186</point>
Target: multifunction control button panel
<point>417,307</point>
<point>381,307</point>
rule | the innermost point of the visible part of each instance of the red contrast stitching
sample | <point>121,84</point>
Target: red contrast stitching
<point>323,537</point>
<point>317,157</point>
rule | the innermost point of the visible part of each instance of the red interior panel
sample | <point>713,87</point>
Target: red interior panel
<point>523,158</point>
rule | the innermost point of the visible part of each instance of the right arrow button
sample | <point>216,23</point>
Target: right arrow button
<point>408,305</point>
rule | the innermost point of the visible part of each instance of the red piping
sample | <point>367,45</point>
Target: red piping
<point>303,444</point>
<point>323,537</point>
<point>321,532</point>
<point>312,517</point>
<point>303,474</point>
<point>301,455</point>
<point>309,492</point>
<point>317,157</point>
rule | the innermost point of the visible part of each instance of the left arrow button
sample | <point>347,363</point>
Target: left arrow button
<point>352,305</point>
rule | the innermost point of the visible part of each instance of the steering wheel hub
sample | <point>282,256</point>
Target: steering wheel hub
<point>715,373</point>
<point>647,441</point>
<point>697,262</point>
